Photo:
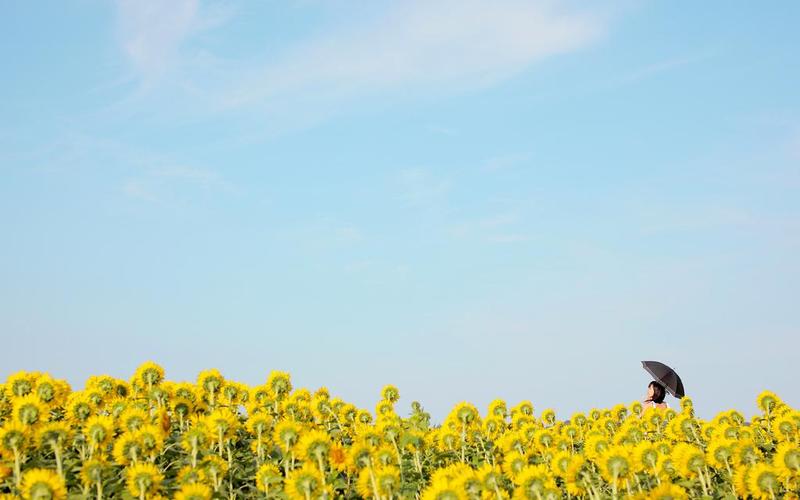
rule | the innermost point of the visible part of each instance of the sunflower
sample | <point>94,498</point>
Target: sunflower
<point>513,463</point>
<point>232,393</point>
<point>338,457</point>
<point>493,427</point>
<point>92,471</point>
<point>763,481</point>
<point>193,491</point>
<point>53,434</point>
<point>127,449</point>
<point>20,384</point>
<point>13,436</point>
<point>747,453</point>
<point>359,455</point>
<point>132,418</point>
<point>767,401</point>
<point>364,417</point>
<point>29,410</point>
<point>636,408</point>
<point>322,409</point>
<point>98,430</point>
<point>196,438</point>
<point>616,465</point>
<point>595,445</point>
<point>741,476</point>
<point>575,477</point>
<point>784,427</point>
<point>497,409</point>
<point>523,408</point>
<point>548,417</point>
<point>441,489</point>
<point>390,393</point>
<point>532,481</point>
<point>268,477</point>
<point>286,435</point>
<point>222,425</point>
<point>787,459</point>
<point>43,484</point>
<point>645,457</point>
<point>188,475</point>
<point>143,480</point>
<point>181,390</point>
<point>720,453</point>
<point>384,408</point>
<point>385,455</point>
<point>544,438</point>
<point>383,481</point>
<point>314,445</point>
<point>214,467</point>
<point>469,483</point>
<point>48,390</point>
<point>559,463</point>
<point>491,476</point>
<point>148,375</point>
<point>280,383</point>
<point>689,460</point>
<point>209,382</point>
<point>151,440</point>
<point>579,419</point>
<point>303,483</point>
<point>369,434</point>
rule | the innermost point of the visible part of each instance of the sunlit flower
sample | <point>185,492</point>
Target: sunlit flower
<point>763,481</point>
<point>193,491</point>
<point>280,383</point>
<point>148,375</point>
<point>767,401</point>
<point>43,484</point>
<point>303,483</point>
<point>143,479</point>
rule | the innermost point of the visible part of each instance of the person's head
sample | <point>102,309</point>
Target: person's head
<point>656,392</point>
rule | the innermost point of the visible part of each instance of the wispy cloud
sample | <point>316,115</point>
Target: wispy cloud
<point>503,162</point>
<point>457,43</point>
<point>137,172</point>
<point>413,49</point>
<point>136,189</point>
<point>420,186</point>
<point>164,183</point>
<point>199,176</point>
<point>441,130</point>
<point>501,228</point>
<point>664,66</point>
<point>152,32</point>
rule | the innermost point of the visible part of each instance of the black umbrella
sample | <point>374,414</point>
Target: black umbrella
<point>666,376</point>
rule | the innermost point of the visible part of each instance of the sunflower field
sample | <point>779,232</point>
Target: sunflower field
<point>151,438</point>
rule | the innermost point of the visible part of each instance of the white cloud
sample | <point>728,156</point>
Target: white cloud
<point>152,32</point>
<point>458,43</point>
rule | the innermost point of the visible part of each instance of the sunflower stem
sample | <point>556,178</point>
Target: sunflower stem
<point>17,467</point>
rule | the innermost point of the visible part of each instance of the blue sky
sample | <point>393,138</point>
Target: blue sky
<point>467,199</point>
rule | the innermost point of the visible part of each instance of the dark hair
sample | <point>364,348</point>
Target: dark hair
<point>658,392</point>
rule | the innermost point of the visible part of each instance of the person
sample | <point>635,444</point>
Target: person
<point>655,396</point>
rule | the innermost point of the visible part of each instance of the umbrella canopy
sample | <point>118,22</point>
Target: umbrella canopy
<point>666,376</point>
